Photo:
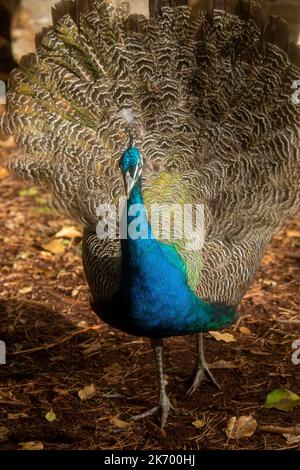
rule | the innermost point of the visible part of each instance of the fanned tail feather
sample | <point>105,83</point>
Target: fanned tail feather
<point>211,90</point>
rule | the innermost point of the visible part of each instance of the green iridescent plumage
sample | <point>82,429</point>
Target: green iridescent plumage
<point>169,189</point>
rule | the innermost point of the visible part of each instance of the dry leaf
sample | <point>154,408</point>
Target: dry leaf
<point>87,392</point>
<point>68,232</point>
<point>3,173</point>
<point>4,433</point>
<point>61,391</point>
<point>50,416</point>
<point>119,423</point>
<point>198,423</point>
<point>76,291</point>
<point>293,233</point>
<point>8,143</point>
<point>56,247</point>
<point>292,439</point>
<point>45,255</point>
<point>24,254</point>
<point>30,192</point>
<point>269,282</point>
<point>25,290</point>
<point>282,399</point>
<point>245,331</point>
<point>226,337</point>
<point>32,445</point>
<point>241,427</point>
<point>16,415</point>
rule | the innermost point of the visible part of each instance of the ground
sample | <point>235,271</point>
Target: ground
<point>56,346</point>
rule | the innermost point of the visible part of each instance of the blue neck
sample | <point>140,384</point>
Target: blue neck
<point>155,298</point>
<point>137,218</point>
<point>136,196</point>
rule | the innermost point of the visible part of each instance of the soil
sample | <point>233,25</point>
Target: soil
<point>56,346</point>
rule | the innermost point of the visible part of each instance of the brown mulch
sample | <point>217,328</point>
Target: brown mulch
<point>56,346</point>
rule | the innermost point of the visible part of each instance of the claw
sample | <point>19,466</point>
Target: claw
<point>201,372</point>
<point>163,408</point>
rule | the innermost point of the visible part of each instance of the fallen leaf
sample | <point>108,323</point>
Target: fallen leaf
<point>292,438</point>
<point>31,192</point>
<point>245,331</point>
<point>269,282</point>
<point>61,391</point>
<point>226,337</point>
<point>56,247</point>
<point>119,423</point>
<point>25,290</point>
<point>13,416</point>
<point>50,416</point>
<point>293,233</point>
<point>44,210</point>
<point>68,232</point>
<point>198,423</point>
<point>32,445</point>
<point>3,173</point>
<point>87,392</point>
<point>282,399</point>
<point>41,200</point>
<point>4,433</point>
<point>24,254</point>
<point>45,255</point>
<point>241,427</point>
<point>75,291</point>
<point>8,143</point>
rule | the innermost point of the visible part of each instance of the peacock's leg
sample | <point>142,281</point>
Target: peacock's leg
<point>201,370</point>
<point>164,405</point>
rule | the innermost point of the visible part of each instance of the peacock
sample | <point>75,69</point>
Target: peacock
<point>186,106</point>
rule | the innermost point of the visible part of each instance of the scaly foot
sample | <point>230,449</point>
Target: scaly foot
<point>163,408</point>
<point>201,372</point>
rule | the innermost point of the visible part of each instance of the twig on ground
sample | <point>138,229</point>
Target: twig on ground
<point>61,341</point>
<point>280,429</point>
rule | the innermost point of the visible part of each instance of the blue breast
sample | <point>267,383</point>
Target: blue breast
<point>155,299</point>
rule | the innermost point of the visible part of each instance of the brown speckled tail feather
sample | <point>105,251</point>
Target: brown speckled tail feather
<point>212,90</point>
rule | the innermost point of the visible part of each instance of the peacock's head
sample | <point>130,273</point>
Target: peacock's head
<point>131,166</point>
